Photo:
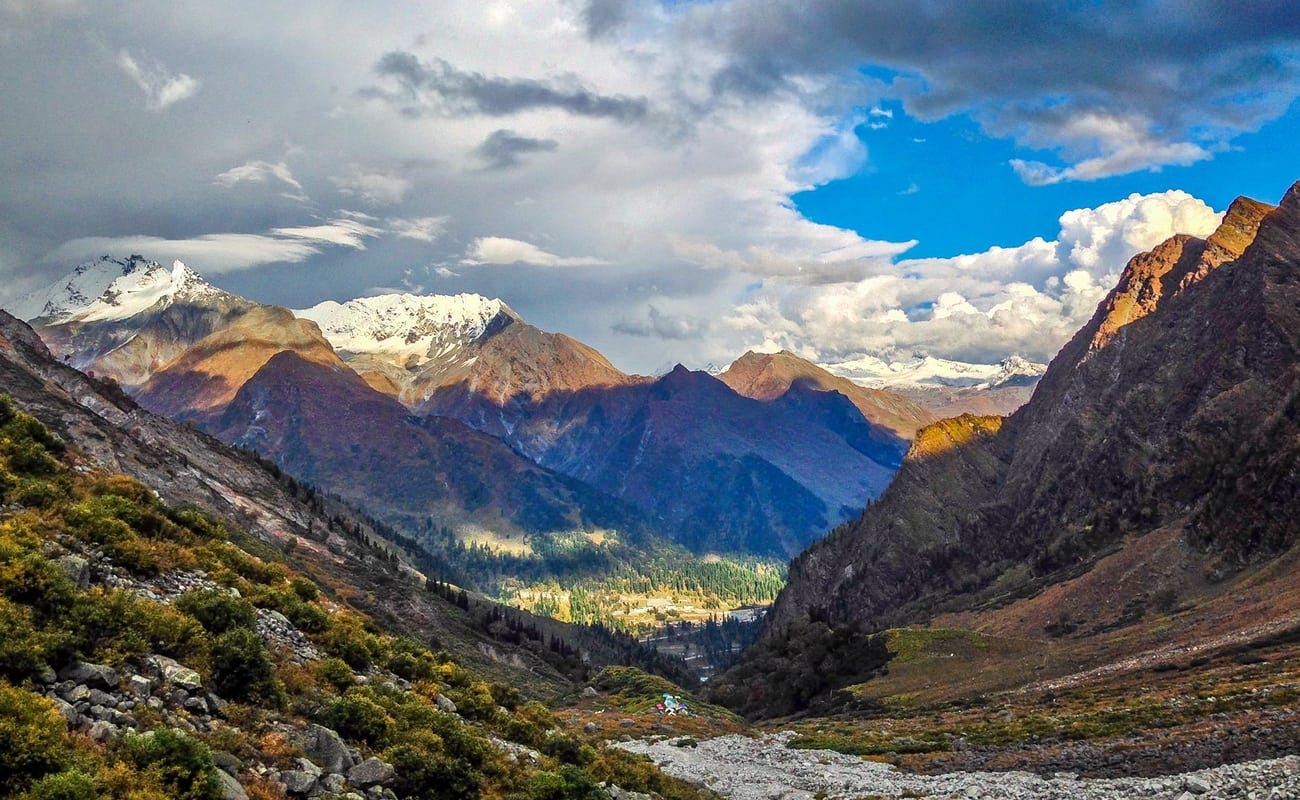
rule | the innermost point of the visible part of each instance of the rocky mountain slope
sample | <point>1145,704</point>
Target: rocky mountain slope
<point>1157,467</point>
<point>125,318</point>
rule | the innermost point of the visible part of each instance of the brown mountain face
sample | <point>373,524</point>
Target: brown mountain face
<point>769,376</point>
<point>1168,428</point>
<point>325,425</point>
<point>130,350</point>
<point>205,377</point>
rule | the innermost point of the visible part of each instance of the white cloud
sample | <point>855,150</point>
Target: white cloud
<point>345,231</point>
<point>984,306</point>
<point>1103,145</point>
<point>499,250</point>
<point>212,253</point>
<point>422,229</point>
<point>161,87</point>
<point>372,188</point>
<point>261,172</point>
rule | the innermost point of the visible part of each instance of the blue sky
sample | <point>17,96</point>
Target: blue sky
<point>949,186</point>
<point>666,182</point>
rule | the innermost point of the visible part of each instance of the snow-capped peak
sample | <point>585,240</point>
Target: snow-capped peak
<point>924,371</point>
<point>406,326</point>
<point>112,289</point>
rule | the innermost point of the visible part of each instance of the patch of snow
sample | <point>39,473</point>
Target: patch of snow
<point>112,289</point>
<point>405,327</point>
<point>928,371</point>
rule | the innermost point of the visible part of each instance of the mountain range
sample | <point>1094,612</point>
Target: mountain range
<point>1143,502</point>
<point>454,409</point>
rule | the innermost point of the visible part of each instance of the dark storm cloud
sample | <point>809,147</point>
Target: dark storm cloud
<point>502,148</point>
<point>437,87</point>
<point>1184,70</point>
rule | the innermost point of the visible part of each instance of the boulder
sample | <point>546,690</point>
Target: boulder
<point>96,676</point>
<point>371,772</point>
<point>590,691</point>
<point>139,685</point>
<point>326,748</point>
<point>227,762</point>
<point>298,782</point>
<point>174,672</point>
<point>228,788</point>
<point>77,569</point>
<point>445,703</point>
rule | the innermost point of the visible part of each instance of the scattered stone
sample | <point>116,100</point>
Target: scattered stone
<point>102,698</point>
<point>371,772</point>
<point>139,685</point>
<point>590,728</point>
<point>102,731</point>
<point>307,766</point>
<point>326,748</point>
<point>174,672</point>
<point>297,781</point>
<point>96,676</point>
<point>196,705</point>
<point>68,712</point>
<point>445,703</point>
<point>626,723</point>
<point>77,694</point>
<point>228,788</point>
<point>1196,785</point>
<point>227,762</point>
<point>77,569</point>
<point>332,783</point>
<point>590,691</point>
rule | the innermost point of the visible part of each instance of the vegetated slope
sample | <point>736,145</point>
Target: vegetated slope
<point>714,470</point>
<point>1168,426</point>
<point>327,539</point>
<point>154,652</point>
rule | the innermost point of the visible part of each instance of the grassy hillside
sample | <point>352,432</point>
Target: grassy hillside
<point>149,651</point>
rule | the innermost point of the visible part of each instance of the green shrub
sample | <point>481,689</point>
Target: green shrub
<point>425,770</point>
<point>118,623</point>
<point>358,717</point>
<point>35,493</point>
<point>569,783</point>
<point>305,589</point>
<point>23,649</point>
<point>242,669</point>
<point>218,611</point>
<point>180,762</point>
<point>336,672</point>
<point>72,784</point>
<point>33,737</point>
<point>412,660</point>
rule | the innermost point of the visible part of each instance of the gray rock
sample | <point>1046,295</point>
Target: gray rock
<point>77,570</point>
<point>139,685</point>
<point>77,694</point>
<point>590,728</point>
<point>174,672</point>
<point>227,762</point>
<point>371,772</point>
<point>96,676</point>
<point>1196,785</point>
<point>196,705</point>
<point>102,731</point>
<point>327,748</point>
<point>68,712</point>
<point>229,788</point>
<point>102,698</point>
<point>298,782</point>
<point>333,783</point>
<point>626,723</point>
<point>48,676</point>
<point>306,766</point>
<point>445,703</point>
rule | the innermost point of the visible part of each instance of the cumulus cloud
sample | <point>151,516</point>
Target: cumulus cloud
<point>161,87</point>
<point>978,307</point>
<point>437,87</point>
<point>500,250</point>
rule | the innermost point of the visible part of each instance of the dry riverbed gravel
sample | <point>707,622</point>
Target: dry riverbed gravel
<point>764,768</point>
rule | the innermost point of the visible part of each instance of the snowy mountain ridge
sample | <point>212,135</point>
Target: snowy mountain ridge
<point>411,329</point>
<point>110,289</point>
<point>929,371</point>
